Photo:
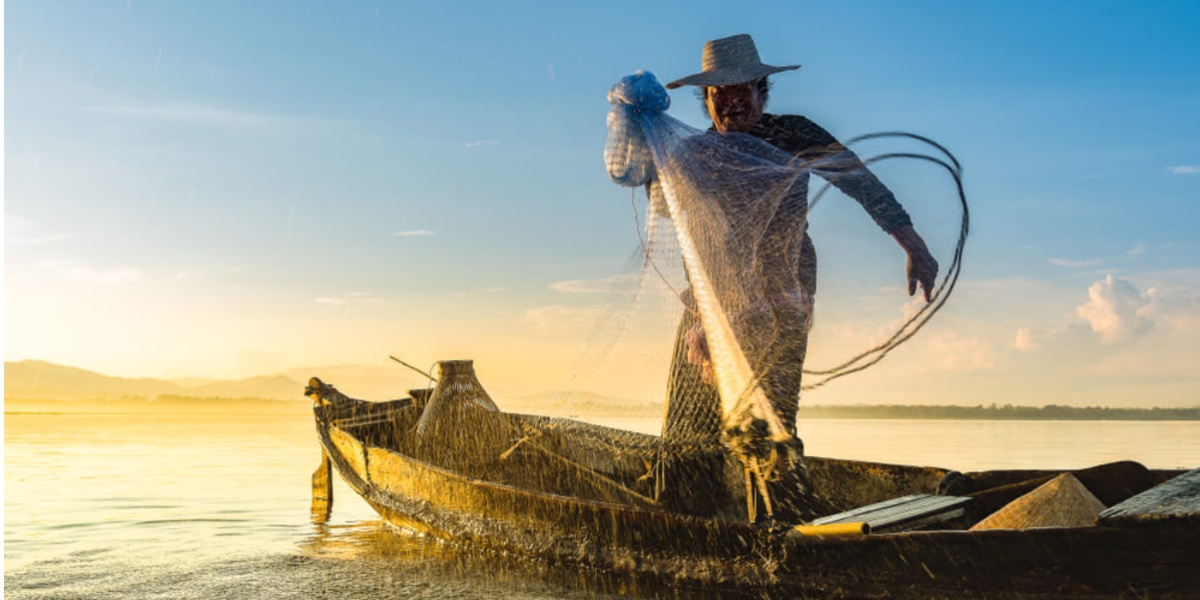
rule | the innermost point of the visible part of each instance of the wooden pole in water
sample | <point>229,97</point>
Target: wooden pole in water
<point>322,490</point>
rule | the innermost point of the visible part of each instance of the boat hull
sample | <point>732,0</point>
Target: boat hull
<point>1099,561</point>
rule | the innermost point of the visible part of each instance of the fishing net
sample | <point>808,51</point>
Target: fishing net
<point>726,264</point>
<point>737,209</point>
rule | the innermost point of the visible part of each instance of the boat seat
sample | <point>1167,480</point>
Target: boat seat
<point>902,514</point>
<point>1171,504</point>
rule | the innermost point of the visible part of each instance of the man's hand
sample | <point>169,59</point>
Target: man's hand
<point>922,267</point>
<point>698,354</point>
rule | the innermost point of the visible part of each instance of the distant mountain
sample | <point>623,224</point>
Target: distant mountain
<point>579,403</point>
<point>272,386</point>
<point>41,379</point>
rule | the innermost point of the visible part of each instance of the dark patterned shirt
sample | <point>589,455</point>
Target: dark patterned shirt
<point>809,142</point>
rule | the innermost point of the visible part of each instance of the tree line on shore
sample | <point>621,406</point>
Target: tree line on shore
<point>1050,412</point>
<point>601,405</point>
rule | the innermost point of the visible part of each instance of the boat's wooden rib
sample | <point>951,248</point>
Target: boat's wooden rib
<point>552,497</point>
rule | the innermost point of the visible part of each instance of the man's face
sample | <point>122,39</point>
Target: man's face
<point>734,107</point>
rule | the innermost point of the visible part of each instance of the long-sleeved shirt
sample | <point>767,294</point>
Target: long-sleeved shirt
<point>808,141</point>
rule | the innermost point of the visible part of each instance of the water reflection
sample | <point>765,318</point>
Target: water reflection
<point>180,506</point>
<point>377,550</point>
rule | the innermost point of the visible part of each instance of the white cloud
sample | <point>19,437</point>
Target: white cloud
<point>1138,248</point>
<point>50,238</point>
<point>69,269</point>
<point>55,263</point>
<point>480,143</point>
<point>1184,170</point>
<point>592,286</point>
<point>94,275</point>
<point>561,319</point>
<point>1026,340</point>
<point>1113,310</point>
<point>1075,264</point>
<point>23,231</point>
<point>413,233</point>
<point>349,298</point>
<point>490,290</point>
<point>1121,323</point>
<point>362,298</point>
<point>1176,311</point>
<point>958,352</point>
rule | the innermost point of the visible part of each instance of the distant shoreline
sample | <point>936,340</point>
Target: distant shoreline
<point>1008,412</point>
<point>162,405</point>
<point>172,404</point>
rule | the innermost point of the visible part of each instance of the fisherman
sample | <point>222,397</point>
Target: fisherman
<point>734,88</point>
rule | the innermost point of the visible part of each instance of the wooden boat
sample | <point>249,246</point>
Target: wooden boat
<point>571,492</point>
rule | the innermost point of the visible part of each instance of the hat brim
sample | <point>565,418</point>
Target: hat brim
<point>729,76</point>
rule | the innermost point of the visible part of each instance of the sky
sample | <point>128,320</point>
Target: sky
<point>226,189</point>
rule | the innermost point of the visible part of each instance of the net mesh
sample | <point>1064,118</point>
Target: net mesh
<point>729,272</point>
<point>737,207</point>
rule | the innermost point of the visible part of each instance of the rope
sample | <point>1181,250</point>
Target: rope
<point>941,292</point>
<point>917,321</point>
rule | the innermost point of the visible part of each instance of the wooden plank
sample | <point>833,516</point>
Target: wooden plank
<point>902,514</point>
<point>1173,501</point>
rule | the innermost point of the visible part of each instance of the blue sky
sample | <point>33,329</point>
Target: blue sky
<point>228,188</point>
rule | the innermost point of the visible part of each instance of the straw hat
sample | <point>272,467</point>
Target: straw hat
<point>1060,502</point>
<point>729,61</point>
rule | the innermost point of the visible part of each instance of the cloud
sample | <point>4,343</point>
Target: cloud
<point>958,352</point>
<point>94,275</point>
<point>1075,264</point>
<point>1176,311</point>
<point>1137,249</point>
<point>349,298</point>
<point>481,143</point>
<point>23,231</point>
<point>69,269</point>
<point>206,115</point>
<point>1184,170</point>
<point>592,286</point>
<point>413,233</point>
<point>54,263</point>
<point>1113,311</point>
<point>1026,340</point>
<point>490,290</point>
<point>1116,315</point>
<point>560,319</point>
<point>41,240</point>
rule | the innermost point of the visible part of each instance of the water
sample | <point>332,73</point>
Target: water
<point>197,506</point>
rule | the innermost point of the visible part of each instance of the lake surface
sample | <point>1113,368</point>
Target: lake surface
<point>197,506</point>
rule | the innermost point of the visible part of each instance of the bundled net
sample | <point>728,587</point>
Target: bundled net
<point>738,206</point>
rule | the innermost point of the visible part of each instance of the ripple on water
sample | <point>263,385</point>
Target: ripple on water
<point>360,560</point>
